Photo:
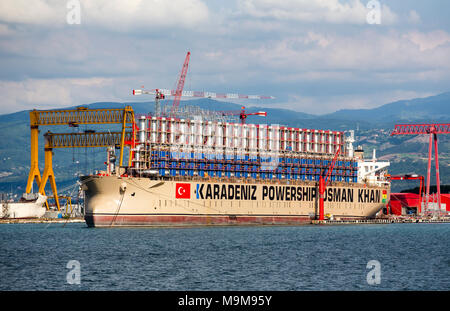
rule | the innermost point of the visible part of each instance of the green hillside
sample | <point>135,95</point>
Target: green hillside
<point>429,109</point>
<point>407,154</point>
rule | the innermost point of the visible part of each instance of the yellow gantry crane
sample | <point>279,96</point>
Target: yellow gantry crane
<point>74,117</point>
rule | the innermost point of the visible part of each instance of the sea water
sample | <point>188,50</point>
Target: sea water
<point>292,258</point>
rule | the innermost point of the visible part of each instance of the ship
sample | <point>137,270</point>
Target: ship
<point>30,205</point>
<point>196,172</point>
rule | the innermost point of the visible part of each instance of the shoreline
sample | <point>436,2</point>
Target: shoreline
<point>40,220</point>
<point>313,222</point>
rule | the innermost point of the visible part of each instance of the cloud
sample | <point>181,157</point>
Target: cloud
<point>414,17</point>
<point>335,70</point>
<point>134,14</point>
<point>325,103</point>
<point>32,12</point>
<point>53,93</point>
<point>319,51</point>
<point>430,40</point>
<point>320,39</point>
<point>328,11</point>
<point>366,51</point>
<point>5,30</point>
<point>114,15</point>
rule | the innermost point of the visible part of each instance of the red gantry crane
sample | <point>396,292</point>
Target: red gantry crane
<point>432,130</point>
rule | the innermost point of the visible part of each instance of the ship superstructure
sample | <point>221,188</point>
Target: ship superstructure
<point>183,148</point>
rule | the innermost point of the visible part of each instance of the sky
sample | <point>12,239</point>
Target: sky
<point>314,56</point>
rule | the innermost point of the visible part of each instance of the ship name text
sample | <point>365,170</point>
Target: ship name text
<point>213,191</point>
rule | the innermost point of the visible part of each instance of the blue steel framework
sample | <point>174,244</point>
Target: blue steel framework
<point>286,164</point>
<point>294,168</point>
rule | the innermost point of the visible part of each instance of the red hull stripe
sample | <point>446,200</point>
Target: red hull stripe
<point>192,220</point>
<point>184,220</point>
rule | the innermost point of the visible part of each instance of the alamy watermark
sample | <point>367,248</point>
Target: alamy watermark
<point>374,275</point>
<point>73,16</point>
<point>373,17</point>
<point>74,275</point>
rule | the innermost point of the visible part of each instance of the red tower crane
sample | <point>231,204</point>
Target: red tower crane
<point>180,86</point>
<point>242,114</point>
<point>178,93</point>
<point>432,130</point>
<point>161,94</point>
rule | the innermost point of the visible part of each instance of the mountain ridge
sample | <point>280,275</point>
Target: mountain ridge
<point>425,108</point>
<point>405,155</point>
<point>434,108</point>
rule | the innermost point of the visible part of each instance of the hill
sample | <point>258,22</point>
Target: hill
<point>429,109</point>
<point>407,154</point>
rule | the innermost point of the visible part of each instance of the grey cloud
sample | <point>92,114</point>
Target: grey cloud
<point>339,64</point>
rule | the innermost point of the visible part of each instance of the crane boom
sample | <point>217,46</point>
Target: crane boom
<point>180,86</point>
<point>242,114</point>
<point>201,94</point>
<point>416,129</point>
<point>83,140</point>
<point>81,116</point>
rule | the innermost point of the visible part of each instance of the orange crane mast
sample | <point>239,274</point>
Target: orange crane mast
<point>70,117</point>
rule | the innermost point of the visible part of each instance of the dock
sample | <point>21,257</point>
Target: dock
<point>381,221</point>
<point>314,222</point>
<point>41,220</point>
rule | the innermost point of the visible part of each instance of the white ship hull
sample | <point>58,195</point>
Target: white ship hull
<point>133,201</point>
<point>33,209</point>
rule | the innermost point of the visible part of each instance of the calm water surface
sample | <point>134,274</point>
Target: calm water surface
<point>412,257</point>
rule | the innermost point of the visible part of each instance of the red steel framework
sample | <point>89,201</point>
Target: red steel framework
<point>412,177</point>
<point>432,130</point>
<point>323,183</point>
<point>180,86</point>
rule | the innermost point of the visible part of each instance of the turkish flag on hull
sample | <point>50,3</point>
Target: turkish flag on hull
<point>182,191</point>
